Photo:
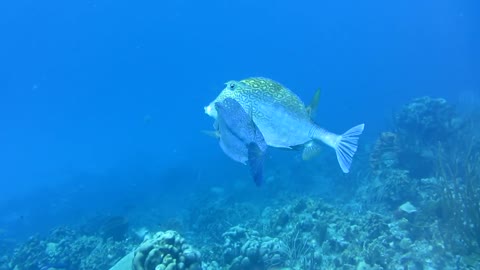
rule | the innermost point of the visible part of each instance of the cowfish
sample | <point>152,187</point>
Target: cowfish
<point>284,120</point>
<point>240,138</point>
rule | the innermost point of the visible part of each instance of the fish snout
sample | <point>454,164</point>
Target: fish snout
<point>210,111</point>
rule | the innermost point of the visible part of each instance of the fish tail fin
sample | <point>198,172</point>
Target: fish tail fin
<point>345,145</point>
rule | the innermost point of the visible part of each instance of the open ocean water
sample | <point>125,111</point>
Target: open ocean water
<point>104,163</point>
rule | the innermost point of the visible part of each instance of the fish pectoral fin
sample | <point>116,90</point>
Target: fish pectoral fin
<point>312,108</point>
<point>212,133</point>
<point>255,161</point>
<point>310,150</point>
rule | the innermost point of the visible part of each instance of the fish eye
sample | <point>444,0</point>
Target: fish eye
<point>232,86</point>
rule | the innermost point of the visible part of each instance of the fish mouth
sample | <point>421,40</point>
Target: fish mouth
<point>209,111</point>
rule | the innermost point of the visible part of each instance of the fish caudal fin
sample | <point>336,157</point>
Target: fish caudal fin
<point>345,145</point>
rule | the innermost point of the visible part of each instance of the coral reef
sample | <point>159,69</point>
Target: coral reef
<point>440,151</point>
<point>337,239</point>
<point>246,249</point>
<point>417,208</point>
<point>425,120</point>
<point>307,233</point>
<point>385,152</point>
<point>459,196</point>
<point>433,160</point>
<point>214,218</point>
<point>166,251</point>
<point>420,126</point>
<point>4,265</point>
<point>64,248</point>
<point>392,187</point>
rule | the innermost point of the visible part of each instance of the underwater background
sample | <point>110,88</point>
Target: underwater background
<point>102,155</point>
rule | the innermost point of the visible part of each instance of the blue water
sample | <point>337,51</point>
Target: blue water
<point>101,100</point>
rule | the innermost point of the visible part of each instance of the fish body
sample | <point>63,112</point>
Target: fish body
<point>279,114</point>
<point>284,120</point>
<point>240,138</point>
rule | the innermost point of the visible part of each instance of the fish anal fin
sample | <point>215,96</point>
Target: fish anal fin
<point>310,150</point>
<point>255,161</point>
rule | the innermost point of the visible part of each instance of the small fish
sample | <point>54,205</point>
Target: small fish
<point>285,121</point>
<point>240,138</point>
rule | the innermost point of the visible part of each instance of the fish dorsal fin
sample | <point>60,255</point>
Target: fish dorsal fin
<point>312,108</point>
